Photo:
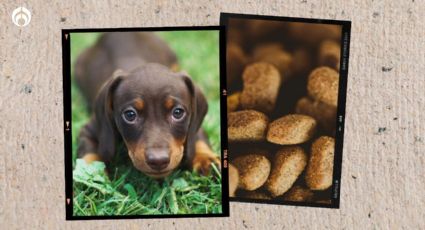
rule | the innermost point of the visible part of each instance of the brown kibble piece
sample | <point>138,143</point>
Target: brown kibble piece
<point>256,195</point>
<point>322,85</point>
<point>237,33</point>
<point>288,164</point>
<point>302,62</point>
<point>264,27</point>
<point>324,114</point>
<point>235,36</point>
<point>261,83</point>
<point>233,180</point>
<point>235,62</point>
<point>279,58</point>
<point>298,193</point>
<point>329,54</point>
<point>246,125</point>
<point>291,129</point>
<point>238,24</point>
<point>265,49</point>
<point>260,30</point>
<point>313,34</point>
<point>253,170</point>
<point>233,102</point>
<point>320,166</point>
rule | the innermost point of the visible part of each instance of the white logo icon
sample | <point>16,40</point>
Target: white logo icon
<point>21,16</point>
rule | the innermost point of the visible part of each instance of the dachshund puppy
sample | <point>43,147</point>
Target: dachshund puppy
<point>137,99</point>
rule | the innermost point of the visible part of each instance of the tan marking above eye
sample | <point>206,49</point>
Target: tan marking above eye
<point>169,103</point>
<point>139,104</point>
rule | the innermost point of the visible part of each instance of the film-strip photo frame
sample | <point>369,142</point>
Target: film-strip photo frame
<point>154,85</point>
<point>286,94</point>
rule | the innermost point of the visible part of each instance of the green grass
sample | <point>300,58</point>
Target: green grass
<point>126,191</point>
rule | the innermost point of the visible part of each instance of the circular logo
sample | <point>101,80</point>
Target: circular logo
<point>21,16</point>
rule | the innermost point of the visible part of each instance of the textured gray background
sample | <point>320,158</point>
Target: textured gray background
<point>383,171</point>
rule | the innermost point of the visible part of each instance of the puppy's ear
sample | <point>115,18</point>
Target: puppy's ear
<point>105,125</point>
<point>199,108</point>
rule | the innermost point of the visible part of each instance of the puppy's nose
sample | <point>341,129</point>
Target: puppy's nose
<point>157,158</point>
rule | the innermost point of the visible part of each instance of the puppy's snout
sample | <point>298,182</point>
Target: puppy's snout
<point>158,158</point>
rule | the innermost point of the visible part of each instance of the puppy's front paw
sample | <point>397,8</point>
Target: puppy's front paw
<point>90,157</point>
<point>203,159</point>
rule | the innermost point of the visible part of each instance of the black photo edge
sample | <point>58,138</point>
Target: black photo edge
<point>340,116</point>
<point>67,122</point>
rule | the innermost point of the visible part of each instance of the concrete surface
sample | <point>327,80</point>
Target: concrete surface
<point>383,169</point>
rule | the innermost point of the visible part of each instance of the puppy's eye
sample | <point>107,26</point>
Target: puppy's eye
<point>178,113</point>
<point>129,115</point>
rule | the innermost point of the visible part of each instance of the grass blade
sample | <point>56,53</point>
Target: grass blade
<point>172,201</point>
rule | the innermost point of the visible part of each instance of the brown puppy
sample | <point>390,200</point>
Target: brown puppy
<point>137,100</point>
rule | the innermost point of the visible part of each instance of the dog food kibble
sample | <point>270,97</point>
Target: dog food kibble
<point>260,30</point>
<point>233,102</point>
<point>302,62</point>
<point>233,180</point>
<point>246,125</point>
<point>283,81</point>
<point>235,37</point>
<point>288,163</point>
<point>257,195</point>
<point>322,85</point>
<point>324,114</point>
<point>329,54</point>
<point>253,169</point>
<point>298,193</point>
<point>277,57</point>
<point>236,60</point>
<point>261,83</point>
<point>291,129</point>
<point>320,166</point>
<point>263,50</point>
<point>313,34</point>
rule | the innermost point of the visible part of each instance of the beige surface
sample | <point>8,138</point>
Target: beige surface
<point>383,173</point>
